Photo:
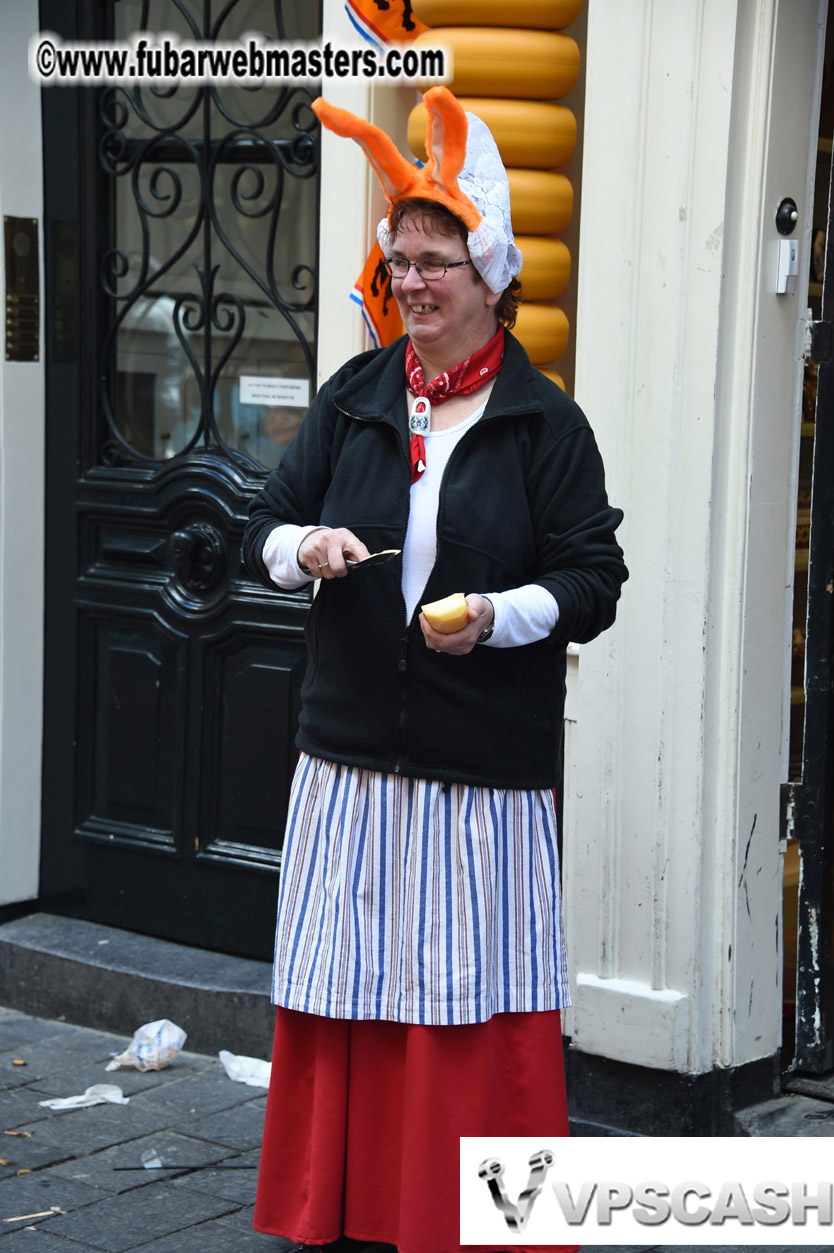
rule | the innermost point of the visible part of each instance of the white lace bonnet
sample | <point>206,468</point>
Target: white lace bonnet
<point>464,173</point>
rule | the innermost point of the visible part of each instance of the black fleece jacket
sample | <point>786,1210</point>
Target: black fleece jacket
<point>522,501</point>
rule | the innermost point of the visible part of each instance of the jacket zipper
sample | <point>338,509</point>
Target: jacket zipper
<point>402,668</point>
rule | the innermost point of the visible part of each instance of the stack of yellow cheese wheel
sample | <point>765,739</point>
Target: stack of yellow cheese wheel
<point>511,65</point>
<point>535,14</point>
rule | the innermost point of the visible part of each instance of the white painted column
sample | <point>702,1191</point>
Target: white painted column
<point>673,875</point>
<point>21,490</point>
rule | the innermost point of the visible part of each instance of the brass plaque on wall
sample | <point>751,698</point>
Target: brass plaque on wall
<point>22,288</point>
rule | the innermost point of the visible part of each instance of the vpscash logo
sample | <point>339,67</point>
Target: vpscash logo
<point>694,1190</point>
<point>516,1213</point>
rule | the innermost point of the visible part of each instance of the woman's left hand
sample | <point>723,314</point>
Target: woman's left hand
<point>461,642</point>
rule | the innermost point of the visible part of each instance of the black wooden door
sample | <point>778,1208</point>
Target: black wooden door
<point>181,231</point>
<point>812,798</point>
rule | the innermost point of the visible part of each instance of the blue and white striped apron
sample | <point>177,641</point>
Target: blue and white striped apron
<point>416,901</point>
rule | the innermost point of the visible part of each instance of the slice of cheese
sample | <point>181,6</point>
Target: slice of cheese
<point>447,615</point>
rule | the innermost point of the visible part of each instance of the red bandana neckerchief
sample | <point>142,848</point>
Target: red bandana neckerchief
<point>466,377</point>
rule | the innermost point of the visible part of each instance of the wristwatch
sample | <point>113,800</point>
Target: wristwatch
<point>486,634</point>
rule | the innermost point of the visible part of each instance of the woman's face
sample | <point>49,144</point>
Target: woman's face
<point>448,318</point>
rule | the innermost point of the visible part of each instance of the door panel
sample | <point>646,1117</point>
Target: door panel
<point>130,737</point>
<point>251,685</point>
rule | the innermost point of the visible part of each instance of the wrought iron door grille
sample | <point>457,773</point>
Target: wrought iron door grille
<point>208,276</point>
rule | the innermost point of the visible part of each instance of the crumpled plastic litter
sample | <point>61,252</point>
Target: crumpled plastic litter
<point>153,1046</point>
<point>98,1094</point>
<point>249,1070</point>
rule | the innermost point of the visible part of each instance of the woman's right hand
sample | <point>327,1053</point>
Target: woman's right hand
<point>323,552</point>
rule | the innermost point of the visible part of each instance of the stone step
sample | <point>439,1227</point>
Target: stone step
<point>790,1114</point>
<point>96,976</point>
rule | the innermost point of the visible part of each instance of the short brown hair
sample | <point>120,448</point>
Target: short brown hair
<point>439,217</point>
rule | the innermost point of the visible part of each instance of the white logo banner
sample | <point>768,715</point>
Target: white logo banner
<point>646,1191</point>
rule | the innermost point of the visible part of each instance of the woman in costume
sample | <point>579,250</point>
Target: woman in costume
<point>420,965</point>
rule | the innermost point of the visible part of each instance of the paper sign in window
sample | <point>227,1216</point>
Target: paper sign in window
<point>257,389</point>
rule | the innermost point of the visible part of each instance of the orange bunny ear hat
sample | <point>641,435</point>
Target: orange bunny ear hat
<point>463,173</point>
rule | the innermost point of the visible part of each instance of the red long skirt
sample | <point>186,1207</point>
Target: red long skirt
<point>363,1121</point>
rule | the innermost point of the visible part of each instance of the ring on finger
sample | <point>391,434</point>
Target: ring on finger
<point>322,564</point>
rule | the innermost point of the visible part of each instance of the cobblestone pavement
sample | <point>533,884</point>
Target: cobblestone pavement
<point>63,1186</point>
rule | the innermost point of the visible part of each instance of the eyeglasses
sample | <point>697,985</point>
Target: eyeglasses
<point>398,267</point>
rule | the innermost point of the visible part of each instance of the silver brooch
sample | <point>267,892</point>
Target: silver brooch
<point>419,420</point>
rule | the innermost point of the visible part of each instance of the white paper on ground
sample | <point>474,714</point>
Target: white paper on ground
<point>249,1070</point>
<point>98,1094</point>
<point>153,1046</point>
